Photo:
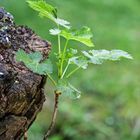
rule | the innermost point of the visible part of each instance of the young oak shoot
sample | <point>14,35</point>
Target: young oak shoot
<point>65,55</point>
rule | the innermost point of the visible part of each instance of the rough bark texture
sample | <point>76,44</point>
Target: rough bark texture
<point>21,90</point>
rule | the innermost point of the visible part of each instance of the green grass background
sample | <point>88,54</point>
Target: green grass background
<point>109,108</point>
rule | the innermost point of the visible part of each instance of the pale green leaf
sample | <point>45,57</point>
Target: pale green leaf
<point>79,61</point>
<point>117,54</point>
<point>68,90</point>
<point>83,35</point>
<point>99,56</point>
<point>54,31</point>
<point>63,23</point>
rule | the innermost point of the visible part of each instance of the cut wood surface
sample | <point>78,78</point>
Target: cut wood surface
<point>21,90</point>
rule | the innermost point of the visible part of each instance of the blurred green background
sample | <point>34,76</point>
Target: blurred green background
<point>109,108</point>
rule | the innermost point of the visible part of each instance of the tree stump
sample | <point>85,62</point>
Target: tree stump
<point>21,90</point>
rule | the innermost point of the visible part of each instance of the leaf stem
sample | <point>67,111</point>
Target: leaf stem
<point>59,53</point>
<point>53,81</point>
<point>66,44</point>
<point>72,72</point>
<point>65,70</point>
<point>59,43</point>
<point>63,57</point>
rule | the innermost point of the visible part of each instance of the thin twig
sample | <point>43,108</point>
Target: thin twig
<point>57,94</point>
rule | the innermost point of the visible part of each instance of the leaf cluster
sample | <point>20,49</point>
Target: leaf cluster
<point>66,55</point>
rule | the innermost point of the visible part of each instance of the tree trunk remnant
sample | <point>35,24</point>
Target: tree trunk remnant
<point>21,90</point>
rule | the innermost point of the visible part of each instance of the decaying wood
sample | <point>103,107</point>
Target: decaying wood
<point>21,90</point>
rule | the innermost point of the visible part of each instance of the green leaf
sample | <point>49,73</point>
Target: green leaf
<point>32,61</point>
<point>99,56</point>
<point>68,90</point>
<point>36,56</point>
<point>83,35</point>
<point>79,61</point>
<point>44,9</point>
<point>48,11</point>
<point>22,56</point>
<point>45,67</point>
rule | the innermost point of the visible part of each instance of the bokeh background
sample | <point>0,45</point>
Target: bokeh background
<point>109,108</point>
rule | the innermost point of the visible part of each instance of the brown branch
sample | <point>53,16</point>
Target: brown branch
<point>57,94</point>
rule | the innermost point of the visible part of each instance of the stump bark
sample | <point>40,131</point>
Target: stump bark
<point>21,90</point>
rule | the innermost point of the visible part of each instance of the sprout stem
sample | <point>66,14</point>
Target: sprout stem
<point>65,70</point>
<point>53,81</point>
<point>63,57</point>
<point>72,72</point>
